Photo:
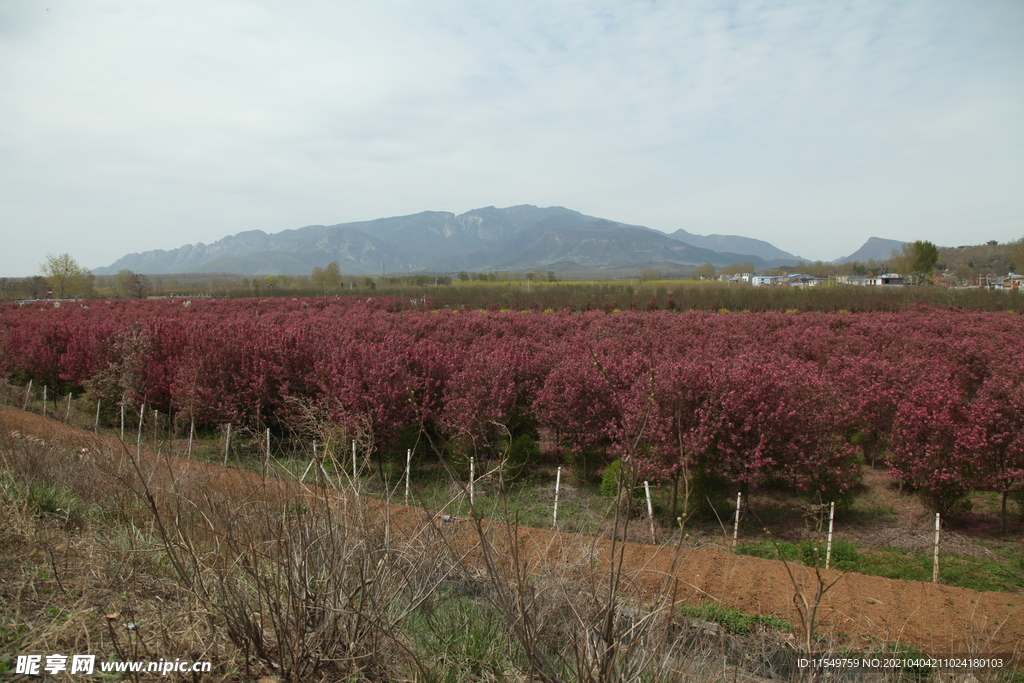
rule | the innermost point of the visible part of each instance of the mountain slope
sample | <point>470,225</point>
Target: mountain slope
<point>515,238</point>
<point>735,244</point>
<point>875,248</point>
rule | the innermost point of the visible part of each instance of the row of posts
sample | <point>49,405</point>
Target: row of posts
<point>472,480</point>
<point>831,523</point>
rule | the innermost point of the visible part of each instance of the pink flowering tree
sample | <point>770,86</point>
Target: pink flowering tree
<point>928,450</point>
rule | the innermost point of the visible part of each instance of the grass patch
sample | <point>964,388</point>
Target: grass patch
<point>733,621</point>
<point>463,639</point>
<point>897,563</point>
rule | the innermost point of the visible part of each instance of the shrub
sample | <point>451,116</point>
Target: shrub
<point>610,480</point>
<point>523,452</point>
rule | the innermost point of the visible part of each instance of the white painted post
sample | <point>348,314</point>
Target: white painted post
<point>355,487</point>
<point>122,422</point>
<point>227,445</point>
<point>96,426</point>
<point>736,524</point>
<point>828,547</point>
<point>935,560</point>
<point>28,395</point>
<point>44,400</point>
<point>650,508</point>
<point>558,485</point>
<point>67,413</point>
<point>191,434</point>
<point>408,464</point>
<point>471,475</point>
<point>138,438</point>
<point>309,466</point>
<point>156,428</point>
<point>268,445</point>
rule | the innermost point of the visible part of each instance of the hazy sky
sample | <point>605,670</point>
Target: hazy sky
<point>130,126</point>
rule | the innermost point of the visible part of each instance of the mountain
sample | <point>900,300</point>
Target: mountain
<point>875,248</point>
<point>594,245</point>
<point>736,244</point>
<point>516,238</point>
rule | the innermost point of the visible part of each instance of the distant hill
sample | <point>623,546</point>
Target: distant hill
<point>875,248</point>
<point>516,238</point>
<point>737,245</point>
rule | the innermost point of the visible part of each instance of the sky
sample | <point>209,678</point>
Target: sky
<point>131,126</point>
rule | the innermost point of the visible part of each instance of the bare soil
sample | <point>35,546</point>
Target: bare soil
<point>859,610</point>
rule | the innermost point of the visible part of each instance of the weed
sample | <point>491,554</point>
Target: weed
<point>733,620</point>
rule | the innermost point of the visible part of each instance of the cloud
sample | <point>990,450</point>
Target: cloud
<point>812,125</point>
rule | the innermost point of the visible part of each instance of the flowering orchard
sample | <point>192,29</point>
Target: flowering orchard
<point>798,399</point>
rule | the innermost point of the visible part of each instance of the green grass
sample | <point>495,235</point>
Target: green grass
<point>462,639</point>
<point>896,563</point>
<point>734,621</point>
<point>529,500</point>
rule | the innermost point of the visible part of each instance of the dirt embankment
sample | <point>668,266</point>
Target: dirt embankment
<point>857,609</point>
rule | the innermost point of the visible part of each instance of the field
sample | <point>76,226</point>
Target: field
<point>893,416</point>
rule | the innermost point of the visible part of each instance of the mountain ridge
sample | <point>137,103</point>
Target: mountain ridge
<point>518,238</point>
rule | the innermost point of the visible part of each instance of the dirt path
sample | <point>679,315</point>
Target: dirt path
<point>858,609</point>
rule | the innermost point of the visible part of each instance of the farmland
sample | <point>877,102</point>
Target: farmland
<point>798,400</point>
<point>797,406</point>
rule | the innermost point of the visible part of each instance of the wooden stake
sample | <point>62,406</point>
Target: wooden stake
<point>828,546</point>
<point>138,439</point>
<point>67,413</point>
<point>227,445</point>
<point>408,464</point>
<point>736,524</point>
<point>122,422</point>
<point>650,508</point>
<point>558,485</point>
<point>935,560</point>
<point>44,400</point>
<point>191,433</point>
<point>355,472</point>
<point>28,394</point>
<point>309,466</point>
<point>266,455</point>
<point>96,426</point>
<point>471,475</point>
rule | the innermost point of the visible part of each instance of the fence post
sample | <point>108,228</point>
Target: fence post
<point>355,472</point>
<point>191,433</point>
<point>67,413</point>
<point>935,560</point>
<point>268,447</point>
<point>736,524</point>
<point>828,547</point>
<point>471,475</point>
<point>227,445</point>
<point>558,485</point>
<point>408,463</point>
<point>122,421</point>
<point>44,400</point>
<point>138,438</point>
<point>96,426</point>
<point>650,508</point>
<point>309,466</point>
<point>28,395</point>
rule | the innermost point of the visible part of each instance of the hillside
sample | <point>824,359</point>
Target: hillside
<point>518,238</point>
